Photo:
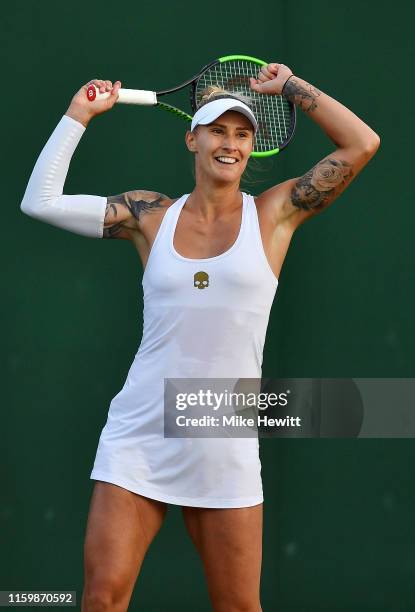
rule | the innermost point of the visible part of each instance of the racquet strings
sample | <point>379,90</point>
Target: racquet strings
<point>273,113</point>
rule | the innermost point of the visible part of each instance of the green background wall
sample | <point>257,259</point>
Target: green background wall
<point>339,514</point>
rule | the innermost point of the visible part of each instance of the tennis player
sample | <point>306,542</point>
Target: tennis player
<point>212,259</point>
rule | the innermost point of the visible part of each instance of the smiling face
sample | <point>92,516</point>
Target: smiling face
<point>222,148</point>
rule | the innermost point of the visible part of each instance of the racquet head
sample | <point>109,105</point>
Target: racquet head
<point>275,115</point>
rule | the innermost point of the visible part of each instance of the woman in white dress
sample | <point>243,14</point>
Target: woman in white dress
<point>212,259</point>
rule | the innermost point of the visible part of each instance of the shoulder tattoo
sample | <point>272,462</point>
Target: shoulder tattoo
<point>137,202</point>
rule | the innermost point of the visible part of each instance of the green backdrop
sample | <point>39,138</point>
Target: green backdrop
<point>339,526</point>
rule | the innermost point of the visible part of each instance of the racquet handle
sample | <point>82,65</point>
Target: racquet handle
<point>125,96</point>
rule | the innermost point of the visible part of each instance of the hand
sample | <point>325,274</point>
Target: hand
<point>271,79</point>
<point>82,110</point>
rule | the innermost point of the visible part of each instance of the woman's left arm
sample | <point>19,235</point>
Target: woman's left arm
<point>300,198</point>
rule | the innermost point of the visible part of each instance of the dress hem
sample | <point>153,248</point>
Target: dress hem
<point>198,502</point>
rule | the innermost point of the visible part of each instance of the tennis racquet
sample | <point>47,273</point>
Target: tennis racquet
<point>275,115</point>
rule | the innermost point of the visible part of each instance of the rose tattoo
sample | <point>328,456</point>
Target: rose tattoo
<point>319,185</point>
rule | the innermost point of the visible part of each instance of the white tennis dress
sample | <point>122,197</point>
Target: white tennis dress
<point>217,331</point>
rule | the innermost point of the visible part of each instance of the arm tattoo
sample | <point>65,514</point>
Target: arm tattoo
<point>137,202</point>
<point>320,185</point>
<point>303,96</point>
<point>112,231</point>
<point>134,201</point>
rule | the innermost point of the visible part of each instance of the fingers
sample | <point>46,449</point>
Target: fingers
<point>268,72</point>
<point>102,85</point>
<point>264,74</point>
<point>271,79</point>
<point>273,68</point>
<point>260,87</point>
<point>114,90</point>
<point>255,85</point>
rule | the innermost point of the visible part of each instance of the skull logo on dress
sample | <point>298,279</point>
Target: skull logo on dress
<point>201,280</point>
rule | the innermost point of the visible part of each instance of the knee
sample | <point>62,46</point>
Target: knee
<point>94,601</point>
<point>101,598</point>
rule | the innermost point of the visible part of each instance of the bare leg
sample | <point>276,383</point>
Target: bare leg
<point>229,542</point>
<point>121,525</point>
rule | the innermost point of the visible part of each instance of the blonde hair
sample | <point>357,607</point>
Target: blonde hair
<point>214,92</point>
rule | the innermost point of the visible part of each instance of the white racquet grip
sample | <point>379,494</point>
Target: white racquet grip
<point>125,96</point>
<point>43,199</point>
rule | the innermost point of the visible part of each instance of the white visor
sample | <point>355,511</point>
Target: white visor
<point>212,110</point>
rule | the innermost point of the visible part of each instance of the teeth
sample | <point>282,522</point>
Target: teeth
<point>227,160</point>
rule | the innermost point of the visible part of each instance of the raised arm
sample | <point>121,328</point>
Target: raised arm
<point>300,198</point>
<point>88,215</point>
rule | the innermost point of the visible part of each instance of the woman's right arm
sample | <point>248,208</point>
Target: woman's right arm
<point>88,215</point>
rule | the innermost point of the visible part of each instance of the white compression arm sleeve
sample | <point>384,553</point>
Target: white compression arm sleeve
<point>43,199</point>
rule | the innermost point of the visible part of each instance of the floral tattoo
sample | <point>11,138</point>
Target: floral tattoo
<point>320,185</point>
